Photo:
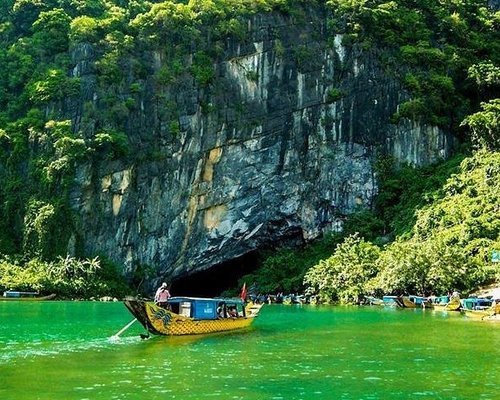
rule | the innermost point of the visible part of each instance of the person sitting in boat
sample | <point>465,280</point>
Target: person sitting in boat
<point>231,312</point>
<point>220,310</point>
<point>162,295</point>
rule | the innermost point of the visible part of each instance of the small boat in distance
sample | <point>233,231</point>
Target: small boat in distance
<point>416,302</point>
<point>192,315</point>
<point>24,296</point>
<point>392,301</point>
<point>445,303</point>
<point>480,307</point>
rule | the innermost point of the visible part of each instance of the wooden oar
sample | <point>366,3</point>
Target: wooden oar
<point>116,336</point>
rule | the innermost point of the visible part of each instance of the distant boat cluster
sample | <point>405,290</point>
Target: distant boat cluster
<point>485,308</point>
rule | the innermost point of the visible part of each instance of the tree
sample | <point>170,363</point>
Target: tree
<point>345,275</point>
<point>51,31</point>
<point>485,126</point>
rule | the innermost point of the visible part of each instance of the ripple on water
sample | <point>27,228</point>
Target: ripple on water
<point>35,350</point>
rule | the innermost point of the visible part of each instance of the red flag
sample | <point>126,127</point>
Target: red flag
<point>243,294</point>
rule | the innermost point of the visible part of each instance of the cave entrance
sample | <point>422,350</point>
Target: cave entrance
<point>213,281</point>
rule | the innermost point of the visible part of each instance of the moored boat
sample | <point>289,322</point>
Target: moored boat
<point>193,315</point>
<point>416,302</point>
<point>445,303</point>
<point>24,296</point>
<point>392,301</point>
<point>439,301</point>
<point>479,307</point>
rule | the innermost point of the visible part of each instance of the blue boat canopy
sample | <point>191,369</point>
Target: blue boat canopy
<point>418,299</point>
<point>476,303</point>
<point>389,299</point>
<point>16,294</point>
<point>204,308</point>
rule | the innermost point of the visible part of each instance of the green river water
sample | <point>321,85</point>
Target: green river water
<point>62,350</point>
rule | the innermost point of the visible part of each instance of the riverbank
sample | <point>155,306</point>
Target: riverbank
<point>492,291</point>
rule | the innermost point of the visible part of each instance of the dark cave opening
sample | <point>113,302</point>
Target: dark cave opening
<point>214,281</point>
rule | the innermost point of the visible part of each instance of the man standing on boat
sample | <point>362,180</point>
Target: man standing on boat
<point>162,294</point>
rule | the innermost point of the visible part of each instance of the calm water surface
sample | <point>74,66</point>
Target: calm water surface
<point>62,350</point>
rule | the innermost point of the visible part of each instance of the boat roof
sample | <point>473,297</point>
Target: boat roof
<point>178,299</point>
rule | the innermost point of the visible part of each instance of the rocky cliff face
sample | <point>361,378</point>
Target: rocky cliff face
<point>279,146</point>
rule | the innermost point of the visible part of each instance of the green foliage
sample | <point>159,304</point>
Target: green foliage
<point>202,69</point>
<point>365,223</point>
<point>279,49</point>
<point>174,128</point>
<point>436,43</point>
<point>169,21</point>
<point>422,54</point>
<point>109,69</point>
<point>413,109</point>
<point>334,94</point>
<point>485,125</point>
<point>485,74</point>
<point>447,53</point>
<point>51,31</point>
<point>427,267</point>
<point>38,223</point>
<point>283,270</point>
<point>449,246</point>
<point>84,29</point>
<point>46,228</point>
<point>54,86</point>
<point>404,189</point>
<point>67,277</point>
<point>111,144</point>
<point>345,275</point>
<point>230,27</point>
<point>306,58</point>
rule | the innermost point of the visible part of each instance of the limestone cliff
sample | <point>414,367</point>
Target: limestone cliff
<point>279,145</point>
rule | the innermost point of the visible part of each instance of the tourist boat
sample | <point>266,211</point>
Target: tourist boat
<point>444,303</point>
<point>24,296</point>
<point>480,307</point>
<point>192,315</point>
<point>415,302</point>
<point>439,301</point>
<point>392,301</point>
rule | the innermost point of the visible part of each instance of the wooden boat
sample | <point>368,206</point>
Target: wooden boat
<point>287,300</point>
<point>392,301</point>
<point>416,302</point>
<point>478,307</point>
<point>192,315</point>
<point>444,303</point>
<point>13,295</point>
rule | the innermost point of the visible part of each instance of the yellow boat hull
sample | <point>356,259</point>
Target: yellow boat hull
<point>161,321</point>
<point>483,314</point>
<point>408,303</point>
<point>453,305</point>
